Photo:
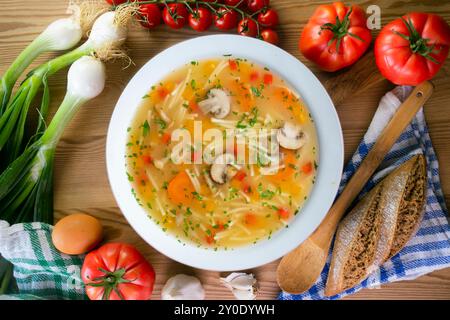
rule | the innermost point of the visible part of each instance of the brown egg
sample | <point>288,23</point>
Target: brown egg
<point>77,233</point>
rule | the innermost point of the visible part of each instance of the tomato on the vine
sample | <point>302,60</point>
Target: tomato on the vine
<point>117,271</point>
<point>233,3</point>
<point>150,15</point>
<point>200,19</point>
<point>248,27</point>
<point>116,2</point>
<point>268,18</point>
<point>175,15</point>
<point>412,49</point>
<point>226,19</point>
<point>256,5</point>
<point>270,36</point>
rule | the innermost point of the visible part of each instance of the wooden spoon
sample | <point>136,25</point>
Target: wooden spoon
<point>300,268</point>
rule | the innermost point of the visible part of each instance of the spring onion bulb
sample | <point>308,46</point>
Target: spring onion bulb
<point>108,33</point>
<point>61,34</point>
<point>26,185</point>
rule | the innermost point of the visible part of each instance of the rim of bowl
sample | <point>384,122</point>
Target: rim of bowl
<point>330,145</point>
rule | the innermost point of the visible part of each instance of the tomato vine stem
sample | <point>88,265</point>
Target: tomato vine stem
<point>213,6</point>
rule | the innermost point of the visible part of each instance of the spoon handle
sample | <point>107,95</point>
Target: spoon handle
<point>403,116</point>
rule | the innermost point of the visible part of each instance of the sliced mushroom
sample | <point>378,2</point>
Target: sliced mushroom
<point>291,136</point>
<point>221,169</point>
<point>217,103</point>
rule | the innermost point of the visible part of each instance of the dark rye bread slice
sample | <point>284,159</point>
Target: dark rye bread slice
<point>355,244</point>
<point>398,203</point>
<point>412,205</point>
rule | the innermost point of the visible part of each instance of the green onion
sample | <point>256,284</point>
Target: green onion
<point>105,36</point>
<point>26,186</point>
<point>61,34</point>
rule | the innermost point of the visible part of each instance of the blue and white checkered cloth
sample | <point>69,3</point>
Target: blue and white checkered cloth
<point>429,249</point>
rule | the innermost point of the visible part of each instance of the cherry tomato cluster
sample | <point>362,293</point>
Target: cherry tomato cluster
<point>252,18</point>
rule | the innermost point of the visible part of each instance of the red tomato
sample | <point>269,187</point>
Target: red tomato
<point>175,15</point>
<point>226,19</point>
<point>335,36</point>
<point>150,15</point>
<point>241,3</point>
<point>247,27</point>
<point>268,18</point>
<point>256,5</point>
<point>117,271</point>
<point>200,19</point>
<point>270,36</point>
<point>412,49</point>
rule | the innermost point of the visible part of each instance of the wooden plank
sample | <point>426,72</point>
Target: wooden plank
<point>81,183</point>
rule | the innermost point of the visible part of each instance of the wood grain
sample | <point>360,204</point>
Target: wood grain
<point>81,183</point>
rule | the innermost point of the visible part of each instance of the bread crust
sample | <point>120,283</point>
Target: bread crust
<point>398,202</point>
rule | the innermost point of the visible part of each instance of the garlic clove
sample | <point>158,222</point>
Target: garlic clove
<point>183,287</point>
<point>244,294</point>
<point>242,285</point>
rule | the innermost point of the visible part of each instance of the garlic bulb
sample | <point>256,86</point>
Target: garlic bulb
<point>242,285</point>
<point>183,287</point>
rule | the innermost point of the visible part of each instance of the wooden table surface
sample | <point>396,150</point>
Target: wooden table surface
<point>81,183</point>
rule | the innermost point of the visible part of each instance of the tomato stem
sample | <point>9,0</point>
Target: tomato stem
<point>340,30</point>
<point>110,280</point>
<point>417,44</point>
<point>213,6</point>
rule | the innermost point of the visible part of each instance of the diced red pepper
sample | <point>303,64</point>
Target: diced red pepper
<point>232,64</point>
<point>210,238</point>
<point>194,106</point>
<point>283,213</point>
<point>195,156</point>
<point>147,159</point>
<point>162,92</point>
<point>246,188</point>
<point>240,175</point>
<point>254,76</point>
<point>307,168</point>
<point>268,78</point>
<point>166,138</point>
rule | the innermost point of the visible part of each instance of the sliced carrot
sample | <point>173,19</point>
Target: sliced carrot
<point>232,64</point>
<point>307,168</point>
<point>250,219</point>
<point>180,189</point>
<point>285,173</point>
<point>268,78</point>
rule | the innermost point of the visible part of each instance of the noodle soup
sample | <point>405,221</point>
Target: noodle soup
<point>222,153</point>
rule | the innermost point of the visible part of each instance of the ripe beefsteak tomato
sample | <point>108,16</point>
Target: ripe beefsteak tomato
<point>335,36</point>
<point>412,49</point>
<point>117,271</point>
